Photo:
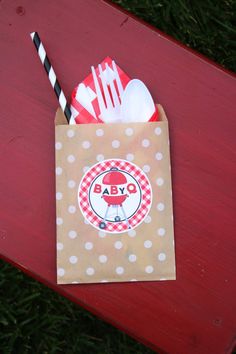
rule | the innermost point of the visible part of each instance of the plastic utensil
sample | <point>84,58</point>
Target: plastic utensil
<point>83,97</point>
<point>136,103</point>
<point>107,95</point>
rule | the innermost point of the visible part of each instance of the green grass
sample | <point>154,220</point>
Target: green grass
<point>208,26</point>
<point>33,319</point>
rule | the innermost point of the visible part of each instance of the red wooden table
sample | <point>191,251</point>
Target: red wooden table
<point>196,313</point>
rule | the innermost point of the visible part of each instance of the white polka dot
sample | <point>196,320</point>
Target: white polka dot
<point>88,246</point>
<point>72,234</point>
<point>118,245</point>
<point>86,144</point>
<point>73,259</point>
<point>60,246</point>
<point>119,270</point>
<point>161,257</point>
<point>70,133</point>
<point>102,234</point>
<point>132,233</point>
<point>86,222</point>
<point>115,144</point>
<point>160,206</point>
<point>58,171</point>
<point>161,231</point>
<point>71,184</point>
<point>61,272</point>
<point>158,131</point>
<point>71,209</point>
<point>129,157</point>
<point>58,196</point>
<point>71,158</point>
<point>86,168</point>
<point>99,132</point>
<point>102,258</point>
<point>160,181</point>
<point>145,143</point>
<point>90,271</point>
<point>149,269</point>
<point>100,157</point>
<point>58,145</point>
<point>132,258</point>
<point>148,244</point>
<point>159,156</point>
<point>59,221</point>
<point>129,131</point>
<point>146,168</point>
<point>148,219</point>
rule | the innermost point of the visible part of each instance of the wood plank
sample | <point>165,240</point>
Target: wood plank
<point>196,313</point>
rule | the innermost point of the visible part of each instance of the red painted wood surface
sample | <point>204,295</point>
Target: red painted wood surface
<point>196,313</point>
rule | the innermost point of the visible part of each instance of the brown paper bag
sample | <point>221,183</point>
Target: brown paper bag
<point>113,202</point>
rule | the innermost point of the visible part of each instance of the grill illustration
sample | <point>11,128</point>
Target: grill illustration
<point>114,178</point>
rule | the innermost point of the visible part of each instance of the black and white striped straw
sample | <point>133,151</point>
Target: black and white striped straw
<point>51,75</point>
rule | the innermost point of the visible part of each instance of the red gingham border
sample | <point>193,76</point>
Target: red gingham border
<point>133,170</point>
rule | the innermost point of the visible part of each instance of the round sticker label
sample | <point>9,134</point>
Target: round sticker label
<point>115,195</point>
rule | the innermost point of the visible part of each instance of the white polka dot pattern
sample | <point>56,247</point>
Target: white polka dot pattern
<point>72,234</point>
<point>132,258</point>
<point>159,156</point>
<point>90,271</point>
<point>85,169</point>
<point>60,246</point>
<point>148,244</point>
<point>60,272</point>
<point>86,144</point>
<point>161,231</point>
<point>149,269</point>
<point>73,259</point>
<point>162,257</point>
<point>115,144</point>
<point>58,195</point>
<point>148,219</point>
<point>160,181</point>
<point>70,133</point>
<point>99,132</point>
<point>129,131</point>
<point>71,184</point>
<point>72,209</point>
<point>129,157</point>
<point>158,131</point>
<point>146,168</point>
<point>87,255</point>
<point>160,206</point>
<point>118,245</point>
<point>145,143</point>
<point>102,258</point>
<point>119,270</point>
<point>58,171</point>
<point>71,158</point>
<point>100,157</point>
<point>58,146</point>
<point>88,246</point>
<point>59,221</point>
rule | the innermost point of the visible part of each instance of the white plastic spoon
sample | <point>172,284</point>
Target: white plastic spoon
<point>136,103</point>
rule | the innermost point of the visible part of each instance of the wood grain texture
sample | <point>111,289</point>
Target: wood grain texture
<point>196,313</point>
